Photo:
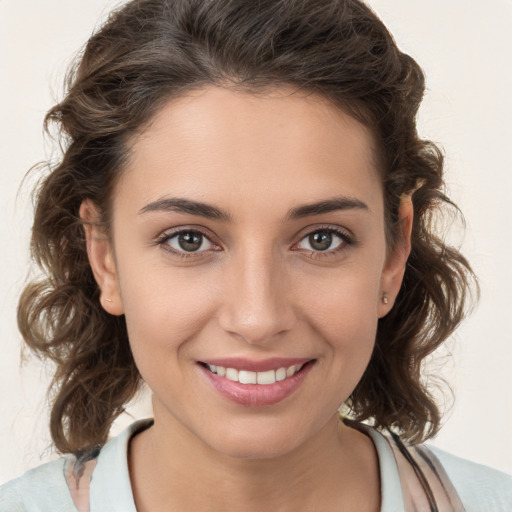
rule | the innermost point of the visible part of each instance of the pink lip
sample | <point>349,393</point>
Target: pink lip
<point>257,395</point>
<point>241,363</point>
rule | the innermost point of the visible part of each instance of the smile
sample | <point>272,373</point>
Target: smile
<point>249,377</point>
<point>257,384</point>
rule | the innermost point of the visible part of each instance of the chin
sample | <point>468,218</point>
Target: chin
<point>257,442</point>
<point>256,449</point>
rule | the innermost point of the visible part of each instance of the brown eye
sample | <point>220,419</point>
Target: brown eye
<point>323,240</point>
<point>320,241</point>
<point>189,241</point>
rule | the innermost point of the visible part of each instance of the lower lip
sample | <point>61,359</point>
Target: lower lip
<point>257,395</point>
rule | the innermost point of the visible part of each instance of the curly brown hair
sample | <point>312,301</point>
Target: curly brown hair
<point>151,51</point>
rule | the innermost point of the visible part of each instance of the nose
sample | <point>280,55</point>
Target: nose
<point>257,305</point>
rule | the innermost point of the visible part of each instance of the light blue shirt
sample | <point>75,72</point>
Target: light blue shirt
<point>44,489</point>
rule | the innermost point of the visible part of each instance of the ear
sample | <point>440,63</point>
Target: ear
<point>394,269</point>
<point>101,259</point>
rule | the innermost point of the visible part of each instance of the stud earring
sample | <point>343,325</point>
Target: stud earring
<point>385,299</point>
<point>109,300</point>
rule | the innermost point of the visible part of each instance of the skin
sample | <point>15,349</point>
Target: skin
<point>256,289</point>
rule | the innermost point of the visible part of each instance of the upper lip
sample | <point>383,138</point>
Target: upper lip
<point>241,363</point>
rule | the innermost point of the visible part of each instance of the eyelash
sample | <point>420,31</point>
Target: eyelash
<point>347,240</point>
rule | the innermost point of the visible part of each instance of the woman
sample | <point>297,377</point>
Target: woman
<point>241,219</point>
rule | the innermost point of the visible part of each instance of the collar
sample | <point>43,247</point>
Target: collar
<point>111,488</point>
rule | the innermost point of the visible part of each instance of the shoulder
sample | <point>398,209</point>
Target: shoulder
<point>40,489</point>
<point>480,487</point>
<point>67,485</point>
<point>428,473</point>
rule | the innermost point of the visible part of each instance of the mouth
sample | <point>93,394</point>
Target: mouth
<point>256,384</point>
<point>265,378</point>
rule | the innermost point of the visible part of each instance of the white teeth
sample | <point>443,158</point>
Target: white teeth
<point>248,377</point>
<point>281,374</point>
<point>290,371</point>
<point>232,374</point>
<point>268,377</point>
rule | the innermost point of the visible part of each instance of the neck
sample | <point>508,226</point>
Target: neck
<point>337,469</point>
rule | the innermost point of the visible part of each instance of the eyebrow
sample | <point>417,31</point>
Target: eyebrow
<point>181,205</point>
<point>178,204</point>
<point>326,206</point>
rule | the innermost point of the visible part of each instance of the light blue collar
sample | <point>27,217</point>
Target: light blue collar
<point>111,489</point>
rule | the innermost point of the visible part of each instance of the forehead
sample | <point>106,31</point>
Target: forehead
<point>285,145</point>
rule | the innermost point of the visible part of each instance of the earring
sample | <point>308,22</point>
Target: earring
<point>385,299</point>
<point>109,300</point>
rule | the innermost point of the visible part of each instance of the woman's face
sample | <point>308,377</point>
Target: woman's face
<point>248,234</point>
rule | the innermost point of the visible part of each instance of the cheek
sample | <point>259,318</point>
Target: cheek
<point>163,309</point>
<point>164,315</point>
<point>347,299</point>
<point>343,312</point>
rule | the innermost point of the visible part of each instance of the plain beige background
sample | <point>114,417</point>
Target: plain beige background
<point>465,48</point>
